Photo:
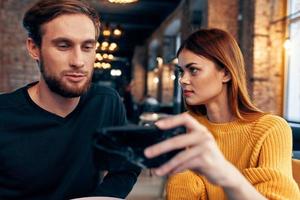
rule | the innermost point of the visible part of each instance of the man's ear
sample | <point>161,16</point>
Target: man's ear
<point>33,49</point>
<point>227,76</point>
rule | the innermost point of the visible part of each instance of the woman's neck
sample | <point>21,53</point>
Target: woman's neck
<point>219,111</point>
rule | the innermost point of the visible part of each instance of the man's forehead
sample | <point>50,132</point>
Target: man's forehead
<point>71,26</point>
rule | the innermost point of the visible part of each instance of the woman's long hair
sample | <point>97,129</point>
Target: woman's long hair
<point>221,48</point>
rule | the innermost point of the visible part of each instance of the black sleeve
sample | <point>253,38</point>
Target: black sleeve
<point>119,181</point>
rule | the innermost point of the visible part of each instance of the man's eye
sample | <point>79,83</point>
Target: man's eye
<point>63,45</point>
<point>88,47</point>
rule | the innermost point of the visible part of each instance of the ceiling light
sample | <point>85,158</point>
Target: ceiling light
<point>105,44</point>
<point>105,56</point>
<point>110,56</point>
<point>115,72</point>
<point>99,56</point>
<point>106,32</point>
<point>117,31</point>
<point>103,48</point>
<point>113,46</point>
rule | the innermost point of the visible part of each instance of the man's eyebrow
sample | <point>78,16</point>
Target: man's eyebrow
<point>93,41</point>
<point>62,39</point>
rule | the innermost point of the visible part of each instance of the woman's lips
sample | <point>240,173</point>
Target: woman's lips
<point>188,93</point>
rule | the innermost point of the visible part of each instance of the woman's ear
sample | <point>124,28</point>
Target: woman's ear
<point>33,49</point>
<point>227,76</point>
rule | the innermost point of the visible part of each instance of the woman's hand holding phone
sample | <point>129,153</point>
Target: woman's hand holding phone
<point>201,152</point>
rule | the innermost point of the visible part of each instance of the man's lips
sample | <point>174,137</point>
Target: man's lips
<point>75,76</point>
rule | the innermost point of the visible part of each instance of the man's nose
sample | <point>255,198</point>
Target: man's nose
<point>76,59</point>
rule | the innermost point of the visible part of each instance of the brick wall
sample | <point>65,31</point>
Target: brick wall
<point>138,74</point>
<point>223,14</point>
<point>268,65</point>
<point>261,36</point>
<point>16,67</point>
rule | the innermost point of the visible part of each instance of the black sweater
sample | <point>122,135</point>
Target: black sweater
<point>44,156</point>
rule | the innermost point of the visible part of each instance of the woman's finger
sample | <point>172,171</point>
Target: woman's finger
<point>182,158</point>
<point>175,143</point>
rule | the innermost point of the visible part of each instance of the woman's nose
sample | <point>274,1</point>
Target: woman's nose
<point>184,79</point>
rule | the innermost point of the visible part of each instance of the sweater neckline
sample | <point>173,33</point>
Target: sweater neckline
<point>223,127</point>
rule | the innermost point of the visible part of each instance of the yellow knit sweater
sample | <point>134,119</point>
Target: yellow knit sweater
<point>261,150</point>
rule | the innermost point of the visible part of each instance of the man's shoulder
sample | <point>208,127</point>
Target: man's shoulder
<point>11,99</point>
<point>102,91</point>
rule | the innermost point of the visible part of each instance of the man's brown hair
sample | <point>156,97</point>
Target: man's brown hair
<point>46,10</point>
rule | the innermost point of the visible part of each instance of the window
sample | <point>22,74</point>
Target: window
<point>292,100</point>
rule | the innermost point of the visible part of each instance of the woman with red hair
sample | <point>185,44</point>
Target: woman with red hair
<point>232,149</point>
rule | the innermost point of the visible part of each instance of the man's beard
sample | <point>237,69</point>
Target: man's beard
<point>58,86</point>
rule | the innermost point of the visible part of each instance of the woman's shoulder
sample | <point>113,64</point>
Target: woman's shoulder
<point>271,124</point>
<point>270,120</point>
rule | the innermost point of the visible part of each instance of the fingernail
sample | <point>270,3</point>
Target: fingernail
<point>147,152</point>
<point>158,172</point>
<point>159,123</point>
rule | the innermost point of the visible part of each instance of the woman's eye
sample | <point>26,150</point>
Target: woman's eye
<point>193,70</point>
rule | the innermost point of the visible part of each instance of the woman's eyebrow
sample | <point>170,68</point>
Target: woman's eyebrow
<point>185,66</point>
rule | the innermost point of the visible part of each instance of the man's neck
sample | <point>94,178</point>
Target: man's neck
<point>50,101</point>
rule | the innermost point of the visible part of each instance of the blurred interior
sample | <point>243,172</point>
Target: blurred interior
<point>136,55</point>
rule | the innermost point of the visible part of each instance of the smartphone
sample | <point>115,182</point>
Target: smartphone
<point>130,142</point>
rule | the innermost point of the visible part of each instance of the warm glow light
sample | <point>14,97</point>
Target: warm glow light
<point>117,32</point>
<point>105,56</point>
<point>106,65</point>
<point>104,44</point>
<point>122,1</point>
<point>97,65</point>
<point>173,77</point>
<point>287,44</point>
<point>106,32</point>
<point>113,46</point>
<point>115,72</point>
<point>159,61</point>
<point>102,65</point>
<point>155,80</point>
<point>99,56</point>
<point>110,56</point>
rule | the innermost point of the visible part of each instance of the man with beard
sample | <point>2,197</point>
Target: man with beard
<point>48,128</point>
